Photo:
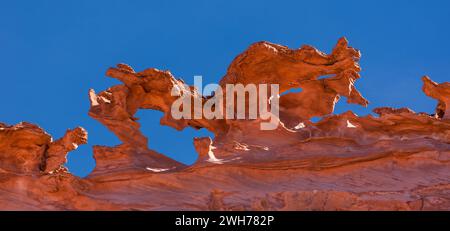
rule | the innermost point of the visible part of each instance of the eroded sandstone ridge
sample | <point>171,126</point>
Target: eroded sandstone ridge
<point>396,160</point>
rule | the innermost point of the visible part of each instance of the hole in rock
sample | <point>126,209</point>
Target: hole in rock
<point>342,106</point>
<point>315,119</point>
<point>293,90</point>
<point>326,76</point>
<point>80,162</point>
<point>178,145</point>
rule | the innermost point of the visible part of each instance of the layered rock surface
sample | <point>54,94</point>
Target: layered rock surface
<point>397,160</point>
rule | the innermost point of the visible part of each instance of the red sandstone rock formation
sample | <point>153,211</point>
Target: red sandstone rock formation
<point>26,148</point>
<point>398,160</point>
<point>440,92</point>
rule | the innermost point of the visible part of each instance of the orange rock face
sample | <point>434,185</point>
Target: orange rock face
<point>25,148</point>
<point>398,160</point>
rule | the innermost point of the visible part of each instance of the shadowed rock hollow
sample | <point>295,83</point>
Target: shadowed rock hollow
<point>398,160</point>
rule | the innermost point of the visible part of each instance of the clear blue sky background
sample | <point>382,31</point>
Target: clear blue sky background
<point>52,52</point>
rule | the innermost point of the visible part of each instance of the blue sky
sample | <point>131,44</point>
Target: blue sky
<point>52,52</point>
